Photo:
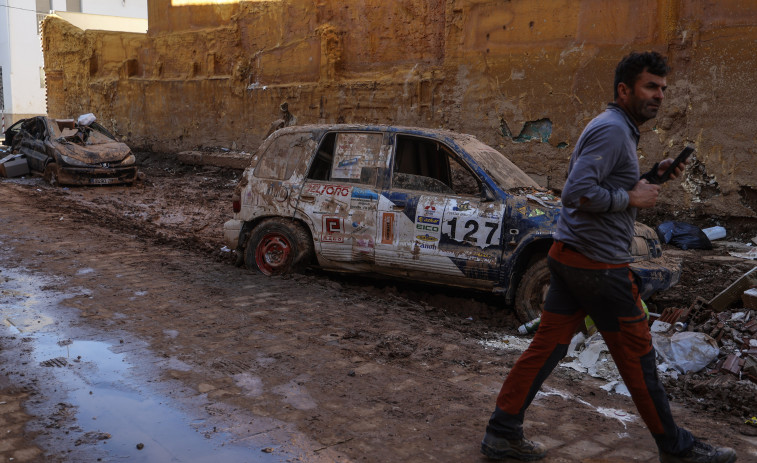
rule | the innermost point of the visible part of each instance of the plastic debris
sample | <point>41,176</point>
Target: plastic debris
<point>593,357</point>
<point>714,233</point>
<point>86,119</point>
<point>687,352</point>
<point>751,254</point>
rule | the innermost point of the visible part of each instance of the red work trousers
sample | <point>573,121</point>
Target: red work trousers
<point>608,293</point>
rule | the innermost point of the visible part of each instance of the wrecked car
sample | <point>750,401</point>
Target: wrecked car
<point>68,152</point>
<point>421,204</point>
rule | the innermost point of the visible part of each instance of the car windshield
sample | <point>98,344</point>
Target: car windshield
<point>506,174</point>
<point>82,135</point>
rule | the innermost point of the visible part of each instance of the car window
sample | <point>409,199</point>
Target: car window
<point>427,165</point>
<point>12,131</point>
<point>349,157</point>
<point>35,127</point>
<point>283,155</point>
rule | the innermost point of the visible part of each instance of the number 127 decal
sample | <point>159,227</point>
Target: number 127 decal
<point>472,231</point>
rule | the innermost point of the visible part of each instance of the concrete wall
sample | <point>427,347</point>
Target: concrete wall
<point>523,76</point>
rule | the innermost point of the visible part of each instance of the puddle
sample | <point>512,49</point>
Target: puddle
<point>115,409</point>
<point>107,401</point>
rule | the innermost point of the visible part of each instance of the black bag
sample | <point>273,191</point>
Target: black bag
<point>684,235</point>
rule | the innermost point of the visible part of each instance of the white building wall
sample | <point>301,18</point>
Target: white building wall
<point>21,50</point>
<point>127,8</point>
<point>5,57</point>
<point>27,92</point>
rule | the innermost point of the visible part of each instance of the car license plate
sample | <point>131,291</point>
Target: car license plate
<point>103,181</point>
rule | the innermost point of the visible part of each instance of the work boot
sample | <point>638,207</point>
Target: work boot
<point>701,453</point>
<point>499,448</point>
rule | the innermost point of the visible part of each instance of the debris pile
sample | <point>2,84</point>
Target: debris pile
<point>735,333</point>
<point>730,320</point>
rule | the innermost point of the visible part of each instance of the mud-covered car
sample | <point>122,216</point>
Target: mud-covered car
<point>426,205</point>
<point>68,153</point>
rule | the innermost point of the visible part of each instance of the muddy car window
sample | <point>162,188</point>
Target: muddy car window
<point>283,156</point>
<point>348,157</point>
<point>35,127</point>
<point>463,181</point>
<point>427,165</point>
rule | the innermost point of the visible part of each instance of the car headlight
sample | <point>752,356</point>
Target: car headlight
<point>129,160</point>
<point>72,161</point>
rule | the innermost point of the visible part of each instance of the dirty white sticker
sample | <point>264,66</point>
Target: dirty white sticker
<point>351,153</point>
<point>465,222</point>
<point>428,223</point>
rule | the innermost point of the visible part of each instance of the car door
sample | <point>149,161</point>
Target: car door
<point>341,198</point>
<point>433,218</point>
<point>30,141</point>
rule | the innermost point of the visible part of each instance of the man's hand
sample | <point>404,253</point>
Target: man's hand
<point>644,194</point>
<point>663,166</point>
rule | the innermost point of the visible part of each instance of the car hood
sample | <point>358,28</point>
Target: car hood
<point>94,154</point>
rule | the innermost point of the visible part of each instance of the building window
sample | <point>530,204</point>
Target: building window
<point>43,9</point>
<point>73,5</point>
<point>42,77</point>
<point>44,6</point>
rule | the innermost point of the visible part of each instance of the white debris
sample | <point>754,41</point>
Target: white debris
<point>751,254</point>
<point>687,351</point>
<point>516,343</point>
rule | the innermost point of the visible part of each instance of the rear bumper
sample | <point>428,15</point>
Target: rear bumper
<point>96,176</point>
<point>656,275</point>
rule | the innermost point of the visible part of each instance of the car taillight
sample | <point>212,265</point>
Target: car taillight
<point>237,205</point>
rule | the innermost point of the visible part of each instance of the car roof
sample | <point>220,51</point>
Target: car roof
<point>420,131</point>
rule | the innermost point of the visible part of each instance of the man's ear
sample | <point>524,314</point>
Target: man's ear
<point>623,90</point>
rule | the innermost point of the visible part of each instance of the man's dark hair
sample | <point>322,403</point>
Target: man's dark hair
<point>633,64</point>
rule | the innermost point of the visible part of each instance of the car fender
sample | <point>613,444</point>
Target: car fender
<point>515,262</point>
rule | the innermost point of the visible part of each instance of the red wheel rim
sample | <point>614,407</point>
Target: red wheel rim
<point>273,254</point>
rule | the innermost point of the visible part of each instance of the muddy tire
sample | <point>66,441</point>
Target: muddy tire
<point>532,290</point>
<point>51,174</point>
<point>278,246</point>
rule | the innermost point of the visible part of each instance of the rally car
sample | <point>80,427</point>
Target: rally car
<point>427,205</point>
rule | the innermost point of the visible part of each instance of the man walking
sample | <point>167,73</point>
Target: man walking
<point>590,274</point>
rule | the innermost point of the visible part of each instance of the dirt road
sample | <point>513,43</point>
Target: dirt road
<point>311,367</point>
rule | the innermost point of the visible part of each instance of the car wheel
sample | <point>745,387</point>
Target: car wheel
<point>278,246</point>
<point>532,290</point>
<point>51,174</point>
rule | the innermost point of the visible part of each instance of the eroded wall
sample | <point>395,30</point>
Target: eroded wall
<point>523,76</point>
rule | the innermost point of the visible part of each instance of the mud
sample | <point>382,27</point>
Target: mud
<point>316,366</point>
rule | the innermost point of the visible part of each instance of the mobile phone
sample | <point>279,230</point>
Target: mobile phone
<point>685,153</point>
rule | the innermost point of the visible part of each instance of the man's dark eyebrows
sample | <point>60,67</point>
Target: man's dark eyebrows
<point>653,84</point>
